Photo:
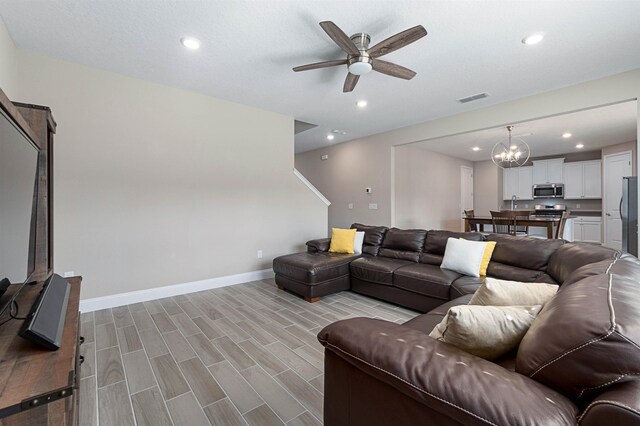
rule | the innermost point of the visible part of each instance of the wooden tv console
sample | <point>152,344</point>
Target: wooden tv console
<point>38,386</point>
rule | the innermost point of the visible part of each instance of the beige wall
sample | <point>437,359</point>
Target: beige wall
<point>427,189</point>
<point>367,161</point>
<point>343,179</point>
<point>487,179</point>
<point>7,62</point>
<point>157,186</point>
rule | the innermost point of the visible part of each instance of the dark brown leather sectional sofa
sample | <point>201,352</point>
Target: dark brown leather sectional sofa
<point>578,364</point>
<point>403,266</point>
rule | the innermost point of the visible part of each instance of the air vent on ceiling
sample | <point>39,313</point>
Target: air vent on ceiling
<point>473,98</point>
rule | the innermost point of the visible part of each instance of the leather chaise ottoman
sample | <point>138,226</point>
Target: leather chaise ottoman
<point>313,275</point>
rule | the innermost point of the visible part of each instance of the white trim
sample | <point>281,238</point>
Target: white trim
<point>311,187</point>
<point>392,195</point>
<point>605,230</point>
<point>121,299</point>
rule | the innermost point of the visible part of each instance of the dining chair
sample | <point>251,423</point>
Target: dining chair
<point>468,214</point>
<point>504,222</point>
<point>561,223</point>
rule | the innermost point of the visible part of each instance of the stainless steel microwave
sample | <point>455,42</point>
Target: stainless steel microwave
<point>548,190</point>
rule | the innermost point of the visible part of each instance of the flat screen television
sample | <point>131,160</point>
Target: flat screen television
<point>18,205</point>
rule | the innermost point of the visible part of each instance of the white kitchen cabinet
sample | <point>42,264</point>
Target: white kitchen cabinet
<point>587,229</point>
<point>548,171</point>
<point>525,183</point>
<point>593,179</point>
<point>582,179</point>
<point>517,181</point>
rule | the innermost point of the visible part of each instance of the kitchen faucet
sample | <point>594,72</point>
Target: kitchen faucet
<point>513,202</point>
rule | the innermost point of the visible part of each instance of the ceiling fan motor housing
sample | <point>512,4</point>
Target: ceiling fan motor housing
<point>362,63</point>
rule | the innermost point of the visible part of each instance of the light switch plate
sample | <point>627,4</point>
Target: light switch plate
<point>350,206</point>
<point>373,206</point>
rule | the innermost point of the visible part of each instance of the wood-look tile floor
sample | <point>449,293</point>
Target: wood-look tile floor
<point>240,355</point>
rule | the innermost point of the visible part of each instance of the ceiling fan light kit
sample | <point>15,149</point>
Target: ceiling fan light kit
<point>361,59</point>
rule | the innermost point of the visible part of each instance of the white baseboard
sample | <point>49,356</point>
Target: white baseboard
<point>120,299</point>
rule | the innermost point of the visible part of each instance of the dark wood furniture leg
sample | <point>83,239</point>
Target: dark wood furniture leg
<point>312,299</point>
<point>550,230</point>
<point>281,287</point>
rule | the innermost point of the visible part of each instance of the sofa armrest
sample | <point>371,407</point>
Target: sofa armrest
<point>444,378</point>
<point>318,246</point>
<point>618,405</point>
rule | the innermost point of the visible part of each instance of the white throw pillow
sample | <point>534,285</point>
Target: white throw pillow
<point>357,242</point>
<point>464,257</point>
<point>485,331</point>
<point>494,292</point>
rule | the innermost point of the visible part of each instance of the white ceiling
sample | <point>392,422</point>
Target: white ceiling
<point>594,128</point>
<point>249,47</point>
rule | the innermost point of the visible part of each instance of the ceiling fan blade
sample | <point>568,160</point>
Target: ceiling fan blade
<point>392,69</point>
<point>339,37</point>
<point>324,64</point>
<point>350,82</point>
<point>397,41</point>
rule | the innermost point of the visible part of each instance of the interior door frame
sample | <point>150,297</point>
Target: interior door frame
<point>462,172</point>
<point>605,230</point>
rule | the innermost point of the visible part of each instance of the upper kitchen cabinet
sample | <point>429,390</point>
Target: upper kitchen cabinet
<point>548,171</point>
<point>517,181</point>
<point>582,179</point>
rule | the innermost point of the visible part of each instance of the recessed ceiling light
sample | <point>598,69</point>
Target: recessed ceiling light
<point>190,43</point>
<point>476,148</point>
<point>580,146</point>
<point>330,137</point>
<point>533,39</point>
<point>566,135</point>
<point>335,131</point>
<point>361,104</point>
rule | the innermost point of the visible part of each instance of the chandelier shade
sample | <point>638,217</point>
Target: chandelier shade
<point>510,152</point>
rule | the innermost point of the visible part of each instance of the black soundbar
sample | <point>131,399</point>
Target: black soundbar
<point>45,323</point>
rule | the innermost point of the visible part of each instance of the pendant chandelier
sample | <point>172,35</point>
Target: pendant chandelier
<point>512,152</point>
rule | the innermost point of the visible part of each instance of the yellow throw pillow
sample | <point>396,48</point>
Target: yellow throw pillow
<point>486,257</point>
<point>342,240</point>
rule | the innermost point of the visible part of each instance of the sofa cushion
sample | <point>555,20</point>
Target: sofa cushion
<point>404,239</point>
<point>523,252</point>
<point>373,235</point>
<point>588,336</point>
<point>426,322</point>
<point>489,332</point>
<point>572,256</point>
<point>436,241</point>
<point>431,259</point>
<point>464,285</point>
<point>313,268</point>
<point>512,273</point>
<point>428,280</point>
<point>377,270</point>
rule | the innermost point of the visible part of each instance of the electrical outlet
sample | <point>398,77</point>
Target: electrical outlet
<point>350,206</point>
<point>373,206</point>
<point>259,254</point>
<point>69,274</point>
<point>577,206</point>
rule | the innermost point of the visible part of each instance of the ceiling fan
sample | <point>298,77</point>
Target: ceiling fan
<point>361,59</point>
